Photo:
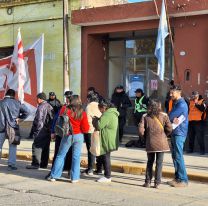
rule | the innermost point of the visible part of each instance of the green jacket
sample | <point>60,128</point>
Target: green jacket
<point>108,127</point>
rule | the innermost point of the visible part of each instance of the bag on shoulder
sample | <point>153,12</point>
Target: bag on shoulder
<point>63,126</point>
<point>13,135</point>
<point>95,143</point>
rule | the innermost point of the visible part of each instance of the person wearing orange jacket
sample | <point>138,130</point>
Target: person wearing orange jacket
<point>196,109</point>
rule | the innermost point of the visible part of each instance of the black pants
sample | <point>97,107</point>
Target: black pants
<point>91,157</point>
<point>196,130</point>
<point>104,160</point>
<point>158,167</point>
<point>121,123</point>
<point>40,151</point>
<point>137,118</point>
<point>68,158</point>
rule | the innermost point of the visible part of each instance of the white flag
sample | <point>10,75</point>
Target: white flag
<point>18,61</point>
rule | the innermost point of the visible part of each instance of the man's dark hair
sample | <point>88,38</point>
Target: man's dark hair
<point>176,87</point>
<point>42,96</point>
<point>10,92</point>
<point>91,89</point>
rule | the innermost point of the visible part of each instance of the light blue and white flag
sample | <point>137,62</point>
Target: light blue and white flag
<point>160,46</point>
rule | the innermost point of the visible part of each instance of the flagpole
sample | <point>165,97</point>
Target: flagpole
<point>65,46</point>
<point>10,66</point>
<point>156,8</point>
<point>171,39</point>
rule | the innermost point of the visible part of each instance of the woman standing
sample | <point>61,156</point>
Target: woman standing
<point>79,123</point>
<point>109,137</point>
<point>155,126</point>
<point>92,111</point>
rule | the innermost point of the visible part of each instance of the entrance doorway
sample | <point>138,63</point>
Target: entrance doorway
<point>132,63</point>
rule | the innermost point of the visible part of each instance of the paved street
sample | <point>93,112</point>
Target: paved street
<point>28,187</point>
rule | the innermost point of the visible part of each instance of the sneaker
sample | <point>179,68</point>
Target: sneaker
<point>104,180</point>
<point>48,175</point>
<point>32,167</point>
<point>11,168</point>
<point>156,186</point>
<point>146,184</point>
<point>87,172</point>
<point>97,172</point>
<point>90,172</point>
<point>74,181</point>
<point>180,184</point>
<point>172,182</point>
<point>51,179</point>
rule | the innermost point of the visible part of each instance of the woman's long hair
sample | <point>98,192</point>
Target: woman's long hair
<point>75,105</point>
<point>154,108</point>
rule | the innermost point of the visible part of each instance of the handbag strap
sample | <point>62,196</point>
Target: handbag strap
<point>158,121</point>
<point>66,110</point>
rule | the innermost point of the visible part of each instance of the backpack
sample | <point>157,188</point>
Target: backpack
<point>63,126</point>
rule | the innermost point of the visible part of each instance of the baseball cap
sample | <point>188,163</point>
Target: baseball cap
<point>138,91</point>
<point>68,93</point>
<point>195,93</point>
<point>119,87</point>
<point>52,94</point>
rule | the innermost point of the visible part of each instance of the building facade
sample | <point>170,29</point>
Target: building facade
<point>118,45</point>
<point>36,17</point>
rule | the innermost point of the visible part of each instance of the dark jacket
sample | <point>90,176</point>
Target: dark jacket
<point>155,135</point>
<point>10,110</point>
<point>122,102</point>
<point>43,120</point>
<point>56,104</point>
<point>180,108</point>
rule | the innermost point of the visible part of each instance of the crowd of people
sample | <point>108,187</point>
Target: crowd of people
<point>182,118</point>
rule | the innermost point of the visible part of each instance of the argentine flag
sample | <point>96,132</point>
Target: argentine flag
<point>160,45</point>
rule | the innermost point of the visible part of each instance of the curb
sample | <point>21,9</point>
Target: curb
<point>122,168</point>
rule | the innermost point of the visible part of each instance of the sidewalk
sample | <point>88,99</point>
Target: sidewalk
<point>130,160</point>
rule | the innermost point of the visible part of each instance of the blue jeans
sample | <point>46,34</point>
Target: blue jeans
<point>12,150</point>
<point>177,143</point>
<point>66,142</point>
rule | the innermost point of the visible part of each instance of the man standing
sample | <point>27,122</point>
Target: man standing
<point>54,102</point>
<point>178,137</point>
<point>196,109</point>
<point>122,102</point>
<point>40,132</point>
<point>141,102</point>
<point>11,111</point>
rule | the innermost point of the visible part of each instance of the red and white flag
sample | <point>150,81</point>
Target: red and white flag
<point>18,61</point>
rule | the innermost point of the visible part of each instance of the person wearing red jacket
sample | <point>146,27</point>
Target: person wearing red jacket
<point>80,125</point>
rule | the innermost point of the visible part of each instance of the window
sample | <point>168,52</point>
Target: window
<point>187,75</point>
<point>6,51</point>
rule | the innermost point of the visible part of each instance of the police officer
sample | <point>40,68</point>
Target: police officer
<point>141,102</point>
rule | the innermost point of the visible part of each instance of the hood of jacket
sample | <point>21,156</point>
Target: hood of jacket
<point>112,111</point>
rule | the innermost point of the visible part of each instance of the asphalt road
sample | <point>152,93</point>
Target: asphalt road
<point>28,187</point>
